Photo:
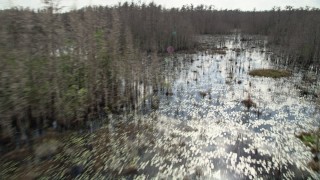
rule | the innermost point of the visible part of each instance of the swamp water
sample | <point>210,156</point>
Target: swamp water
<point>205,131</point>
<point>198,128</point>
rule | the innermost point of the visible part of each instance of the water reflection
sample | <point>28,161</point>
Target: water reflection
<point>207,120</point>
<point>208,131</point>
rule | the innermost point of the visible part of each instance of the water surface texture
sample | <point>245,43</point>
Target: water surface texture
<point>205,131</point>
<point>193,125</point>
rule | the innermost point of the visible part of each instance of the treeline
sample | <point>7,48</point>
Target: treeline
<point>294,34</point>
<point>70,68</point>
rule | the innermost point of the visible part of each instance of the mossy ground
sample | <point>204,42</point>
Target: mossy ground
<point>310,139</point>
<point>273,73</point>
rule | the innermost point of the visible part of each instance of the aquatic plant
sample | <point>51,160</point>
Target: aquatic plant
<point>273,73</point>
<point>187,136</point>
<point>249,103</point>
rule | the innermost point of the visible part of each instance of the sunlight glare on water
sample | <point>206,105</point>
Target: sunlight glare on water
<point>204,131</point>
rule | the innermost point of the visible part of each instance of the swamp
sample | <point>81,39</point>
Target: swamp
<point>138,92</point>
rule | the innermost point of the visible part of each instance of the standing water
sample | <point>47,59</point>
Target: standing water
<point>205,130</point>
<point>209,120</point>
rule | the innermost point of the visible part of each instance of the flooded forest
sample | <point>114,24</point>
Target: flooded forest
<point>139,91</point>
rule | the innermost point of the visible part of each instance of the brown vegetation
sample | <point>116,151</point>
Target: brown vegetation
<point>314,165</point>
<point>270,73</point>
<point>76,66</point>
<point>249,103</point>
<point>311,140</point>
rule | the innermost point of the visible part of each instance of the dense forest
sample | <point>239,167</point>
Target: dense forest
<point>69,68</point>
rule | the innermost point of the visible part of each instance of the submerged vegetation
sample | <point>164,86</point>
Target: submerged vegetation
<point>273,73</point>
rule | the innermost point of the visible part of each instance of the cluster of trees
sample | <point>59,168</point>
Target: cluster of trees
<point>296,34</point>
<point>70,67</point>
<point>293,33</point>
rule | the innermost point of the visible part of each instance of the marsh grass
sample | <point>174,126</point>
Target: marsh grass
<point>273,73</point>
<point>310,139</point>
<point>219,51</point>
